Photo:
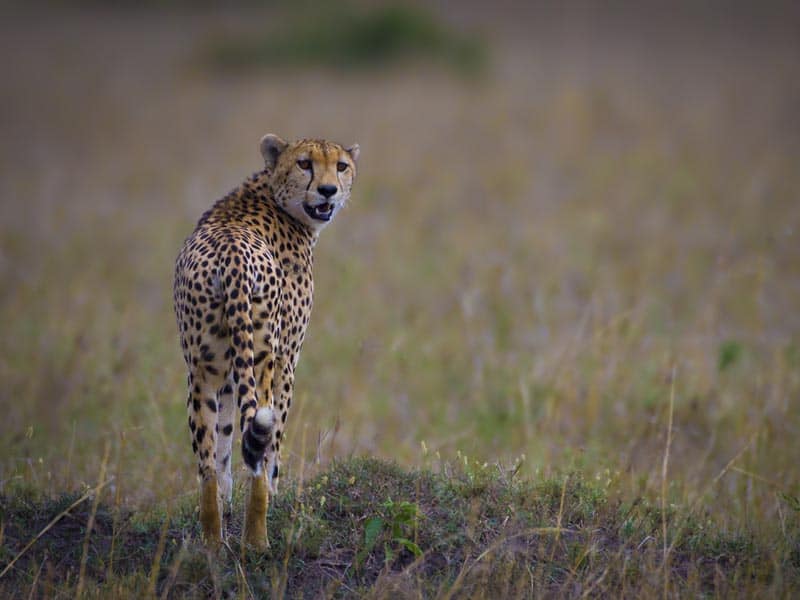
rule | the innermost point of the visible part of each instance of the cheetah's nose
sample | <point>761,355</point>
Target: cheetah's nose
<point>327,190</point>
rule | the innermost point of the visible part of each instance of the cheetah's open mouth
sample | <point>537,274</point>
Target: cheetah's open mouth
<point>320,212</point>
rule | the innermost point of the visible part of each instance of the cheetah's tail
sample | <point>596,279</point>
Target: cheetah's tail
<point>256,438</point>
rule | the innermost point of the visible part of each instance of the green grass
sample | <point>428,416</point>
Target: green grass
<point>350,37</point>
<point>532,265</point>
<point>463,531</point>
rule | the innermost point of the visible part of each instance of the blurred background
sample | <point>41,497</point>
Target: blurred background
<point>563,213</point>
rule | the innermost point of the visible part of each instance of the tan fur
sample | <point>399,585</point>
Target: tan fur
<point>255,524</point>
<point>243,297</point>
<point>209,512</point>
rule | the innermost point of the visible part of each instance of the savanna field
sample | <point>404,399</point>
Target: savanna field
<point>555,347</point>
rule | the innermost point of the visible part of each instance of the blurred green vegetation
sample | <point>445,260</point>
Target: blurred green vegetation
<point>348,36</point>
<point>729,354</point>
<point>528,271</point>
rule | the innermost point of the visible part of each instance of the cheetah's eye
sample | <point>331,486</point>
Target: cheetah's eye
<point>304,164</point>
<point>341,166</point>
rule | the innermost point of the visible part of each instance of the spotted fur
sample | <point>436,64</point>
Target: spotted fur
<point>243,295</point>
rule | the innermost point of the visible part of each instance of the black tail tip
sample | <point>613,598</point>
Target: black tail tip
<point>257,437</point>
<point>253,451</point>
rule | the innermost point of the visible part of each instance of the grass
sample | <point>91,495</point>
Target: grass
<point>463,530</point>
<point>350,37</point>
<point>540,269</point>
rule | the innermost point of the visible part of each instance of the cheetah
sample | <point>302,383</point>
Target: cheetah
<point>243,296</point>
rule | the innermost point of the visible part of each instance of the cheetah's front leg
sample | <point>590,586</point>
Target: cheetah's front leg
<point>283,390</point>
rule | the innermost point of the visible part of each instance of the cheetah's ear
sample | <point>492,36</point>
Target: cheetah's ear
<point>354,151</point>
<point>271,148</point>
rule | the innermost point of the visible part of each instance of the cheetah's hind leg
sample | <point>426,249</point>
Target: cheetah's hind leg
<point>202,408</point>
<point>254,442</point>
<point>225,405</point>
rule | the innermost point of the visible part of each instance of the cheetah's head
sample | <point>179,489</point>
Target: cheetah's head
<point>310,179</point>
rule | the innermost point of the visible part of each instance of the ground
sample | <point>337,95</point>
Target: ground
<point>535,261</point>
<point>465,532</point>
